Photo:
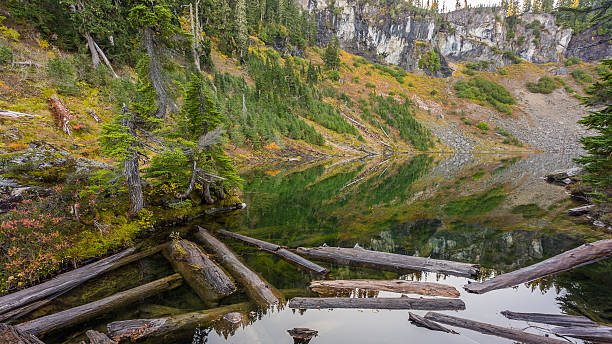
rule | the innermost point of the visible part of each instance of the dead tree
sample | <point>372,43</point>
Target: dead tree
<point>156,72</point>
<point>61,114</point>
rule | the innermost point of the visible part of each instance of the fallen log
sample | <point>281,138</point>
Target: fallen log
<point>202,274</point>
<point>141,328</point>
<point>87,311</point>
<point>15,114</point>
<point>259,290</point>
<point>396,286</point>
<point>388,261</point>
<point>12,335</point>
<point>599,334</point>
<point>551,319</point>
<point>96,337</point>
<point>492,330</point>
<point>61,114</point>
<point>278,250</point>
<point>437,304</point>
<point>585,254</point>
<point>17,313</point>
<point>422,322</point>
<point>580,210</point>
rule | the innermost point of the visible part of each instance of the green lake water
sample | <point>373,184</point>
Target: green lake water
<point>493,210</point>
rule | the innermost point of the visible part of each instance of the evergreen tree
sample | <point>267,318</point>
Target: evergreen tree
<point>332,57</point>
<point>242,35</point>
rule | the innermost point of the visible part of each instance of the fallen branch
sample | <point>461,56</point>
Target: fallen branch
<point>396,286</point>
<point>106,61</point>
<point>438,304</point>
<point>422,322</point>
<point>551,319</point>
<point>15,114</point>
<point>85,312</point>
<point>585,254</point>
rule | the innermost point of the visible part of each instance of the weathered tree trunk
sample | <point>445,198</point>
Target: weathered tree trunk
<point>132,170</point>
<point>396,286</point>
<point>155,72</point>
<point>85,312</point>
<point>278,250</point>
<point>584,254</point>
<point>194,175</point>
<point>194,41</point>
<point>388,261</point>
<point>435,304</point>
<point>141,328</point>
<point>422,322</point>
<point>519,336</point>
<point>95,58</point>
<point>259,290</point>
<point>96,337</point>
<point>551,319</point>
<point>61,113</point>
<point>206,192</point>
<point>13,335</point>
<point>202,274</point>
<point>599,334</point>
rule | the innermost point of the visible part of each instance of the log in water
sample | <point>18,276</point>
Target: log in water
<point>599,334</point>
<point>388,261</point>
<point>493,330</point>
<point>422,322</point>
<point>202,274</point>
<point>278,250</point>
<point>551,319</point>
<point>396,286</point>
<point>438,304</point>
<point>259,290</point>
<point>584,254</point>
<point>85,312</point>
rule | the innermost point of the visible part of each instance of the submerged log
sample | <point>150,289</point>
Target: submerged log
<point>12,335</point>
<point>302,335</point>
<point>585,254</point>
<point>259,290</point>
<point>201,273</point>
<point>493,330</point>
<point>436,304</point>
<point>396,286</point>
<point>599,334</point>
<point>96,337</point>
<point>141,328</point>
<point>85,312</point>
<point>388,261</point>
<point>551,319</point>
<point>422,322</point>
<point>278,250</point>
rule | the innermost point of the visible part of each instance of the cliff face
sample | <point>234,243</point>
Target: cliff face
<point>401,36</point>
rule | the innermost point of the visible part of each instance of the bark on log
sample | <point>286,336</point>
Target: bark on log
<point>585,254</point>
<point>61,114</point>
<point>599,334</point>
<point>492,330</point>
<point>10,317</point>
<point>396,286</point>
<point>437,304</point>
<point>278,250</point>
<point>96,337</point>
<point>87,311</point>
<point>422,322</point>
<point>12,335</point>
<point>202,274</point>
<point>63,282</point>
<point>551,319</point>
<point>388,261</point>
<point>141,328</point>
<point>259,290</point>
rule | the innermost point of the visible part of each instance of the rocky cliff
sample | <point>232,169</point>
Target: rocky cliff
<point>402,35</point>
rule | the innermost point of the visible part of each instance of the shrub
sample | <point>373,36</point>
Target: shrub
<point>484,90</point>
<point>333,75</point>
<point>512,57</point>
<point>482,126</point>
<point>572,61</point>
<point>502,131</point>
<point>545,85</point>
<point>602,69</point>
<point>581,76</point>
<point>430,61</point>
<point>6,55</point>
<point>469,71</point>
<point>62,75</point>
<point>569,89</point>
<point>370,85</point>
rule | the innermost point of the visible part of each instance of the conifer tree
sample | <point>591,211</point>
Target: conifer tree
<point>331,57</point>
<point>242,35</point>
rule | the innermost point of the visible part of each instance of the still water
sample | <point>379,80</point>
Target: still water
<point>493,210</point>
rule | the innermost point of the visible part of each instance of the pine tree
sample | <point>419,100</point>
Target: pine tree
<point>332,57</point>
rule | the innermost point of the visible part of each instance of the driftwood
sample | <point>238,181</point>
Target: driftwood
<point>599,334</point>
<point>141,328</point>
<point>201,273</point>
<point>17,313</point>
<point>551,319</point>
<point>259,290</point>
<point>388,261</point>
<point>85,312</point>
<point>302,335</point>
<point>396,286</point>
<point>96,337</point>
<point>493,330</point>
<point>278,250</point>
<point>12,335</point>
<point>437,304</point>
<point>585,254</point>
<point>61,114</point>
<point>422,322</point>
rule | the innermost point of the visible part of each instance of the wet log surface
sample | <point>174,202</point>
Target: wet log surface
<point>397,286</point>
<point>259,290</point>
<point>599,334</point>
<point>437,304</point>
<point>422,322</point>
<point>551,319</point>
<point>278,250</point>
<point>12,335</point>
<point>587,253</point>
<point>388,261</point>
<point>141,328</point>
<point>207,279</point>
<point>90,310</point>
<point>493,330</point>
<point>96,337</point>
